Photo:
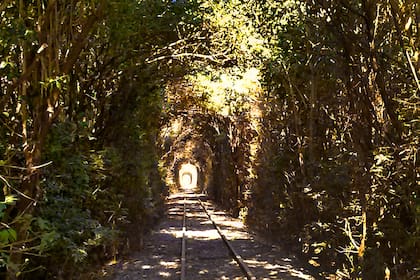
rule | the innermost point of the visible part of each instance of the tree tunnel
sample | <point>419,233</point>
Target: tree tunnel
<point>310,133</point>
<point>197,153</point>
<point>187,159</point>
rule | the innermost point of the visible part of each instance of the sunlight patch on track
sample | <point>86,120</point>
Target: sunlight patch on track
<point>211,234</point>
<point>176,233</point>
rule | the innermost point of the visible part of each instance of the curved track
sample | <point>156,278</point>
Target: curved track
<point>205,250</point>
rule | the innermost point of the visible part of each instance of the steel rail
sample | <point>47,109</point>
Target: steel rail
<point>243,266</point>
<point>184,238</point>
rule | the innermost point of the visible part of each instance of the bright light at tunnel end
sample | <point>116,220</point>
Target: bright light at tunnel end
<point>188,175</point>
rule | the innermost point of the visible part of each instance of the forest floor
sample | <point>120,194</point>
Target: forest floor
<point>207,257</point>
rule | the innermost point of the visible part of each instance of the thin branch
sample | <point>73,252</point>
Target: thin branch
<point>394,13</point>
<point>177,56</point>
<point>11,129</point>
<point>347,230</point>
<point>16,243</point>
<point>26,168</point>
<point>16,190</point>
<point>413,69</point>
<point>79,42</point>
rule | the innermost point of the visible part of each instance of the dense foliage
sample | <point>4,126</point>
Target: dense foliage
<point>80,112</point>
<point>310,108</point>
<point>302,117</point>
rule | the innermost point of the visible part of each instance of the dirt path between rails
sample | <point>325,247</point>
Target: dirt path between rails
<point>161,256</point>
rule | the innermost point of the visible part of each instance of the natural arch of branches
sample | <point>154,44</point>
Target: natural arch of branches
<point>301,116</point>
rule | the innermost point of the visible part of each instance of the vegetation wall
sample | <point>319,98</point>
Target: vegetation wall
<point>301,115</point>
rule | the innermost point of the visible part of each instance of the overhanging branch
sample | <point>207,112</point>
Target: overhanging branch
<point>212,58</point>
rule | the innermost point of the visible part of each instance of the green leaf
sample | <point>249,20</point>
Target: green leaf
<point>7,236</point>
<point>79,254</point>
<point>4,236</point>
<point>43,224</point>
<point>12,235</point>
<point>48,241</point>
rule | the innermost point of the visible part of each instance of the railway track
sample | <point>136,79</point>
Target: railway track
<point>206,253</point>
<point>202,243</point>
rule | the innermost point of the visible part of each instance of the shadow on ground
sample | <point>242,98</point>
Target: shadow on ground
<point>207,258</point>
